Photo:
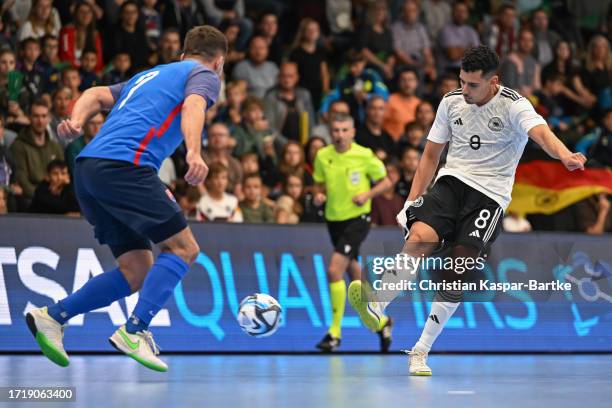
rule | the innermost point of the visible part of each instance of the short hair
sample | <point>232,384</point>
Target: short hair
<point>251,102</point>
<point>240,84</point>
<point>29,40</point>
<point>355,57</point>
<point>215,169</point>
<point>375,98</point>
<point>59,90</point>
<point>249,155</point>
<point>251,176</point>
<point>171,30</point>
<point>339,102</point>
<point>552,77</point>
<point>38,102</point>
<point>48,37</point>
<point>205,41</point>
<point>480,58</point>
<point>56,164</point>
<point>414,125</point>
<point>342,117</point>
<point>191,193</point>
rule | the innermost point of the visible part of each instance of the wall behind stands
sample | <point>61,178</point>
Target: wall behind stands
<point>42,259</point>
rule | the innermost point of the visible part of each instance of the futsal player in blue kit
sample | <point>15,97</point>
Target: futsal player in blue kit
<point>120,194</point>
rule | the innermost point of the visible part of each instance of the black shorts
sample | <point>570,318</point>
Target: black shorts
<point>347,236</point>
<point>128,205</point>
<point>459,214</point>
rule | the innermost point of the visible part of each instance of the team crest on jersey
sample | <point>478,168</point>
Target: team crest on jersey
<point>418,202</point>
<point>354,177</point>
<point>496,124</point>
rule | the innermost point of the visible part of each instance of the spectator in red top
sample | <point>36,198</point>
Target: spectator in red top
<point>80,35</point>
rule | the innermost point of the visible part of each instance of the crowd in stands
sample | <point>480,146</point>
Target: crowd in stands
<point>291,66</point>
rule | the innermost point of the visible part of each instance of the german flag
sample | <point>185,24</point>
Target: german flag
<point>545,187</point>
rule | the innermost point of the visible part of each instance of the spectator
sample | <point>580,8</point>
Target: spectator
<point>43,20</point>
<point>375,41</point>
<point>216,204</point>
<point>218,151</point>
<point>437,14</point>
<point>253,209</point>
<point>310,151</point>
<point>231,112</point>
<point>254,134</point>
<point>72,80</point>
<point>3,200</point>
<point>33,80</point>
<point>128,35</point>
<point>387,205</point>
<point>546,103</point>
<point>411,42</point>
<point>87,71</point>
<point>152,23</point>
<point>597,145</point>
<point>575,95</point>
<point>183,15</point>
<point>33,150</point>
<point>169,46</point>
<point>11,89</point>
<point>501,34</point>
<point>409,162</point>
<point>414,136</point>
<point>371,134</point>
<point>259,73</point>
<point>54,195</point>
<point>445,84</point>
<point>121,71</point>
<point>167,173</point>
<point>232,10</point>
<point>268,30</point>
<point>322,129</point>
<point>90,130</point>
<point>516,223</point>
<point>455,38</point>
<point>545,39</point>
<point>7,167</point>
<point>188,198</point>
<point>80,35</point>
<point>60,103</point>
<point>231,30</point>
<point>596,72</point>
<point>50,63</point>
<point>7,136</point>
<point>593,215</point>
<point>293,161</point>
<point>288,107</point>
<point>310,59</point>
<point>520,70</point>
<point>288,208</point>
<point>356,88</point>
<point>402,104</point>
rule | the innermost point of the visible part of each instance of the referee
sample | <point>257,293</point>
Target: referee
<point>343,173</point>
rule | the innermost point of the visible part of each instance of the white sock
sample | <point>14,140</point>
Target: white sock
<point>439,315</point>
<point>402,272</point>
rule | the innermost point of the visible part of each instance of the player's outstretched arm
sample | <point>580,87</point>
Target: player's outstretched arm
<point>92,101</point>
<point>192,125</point>
<point>543,136</point>
<point>426,169</point>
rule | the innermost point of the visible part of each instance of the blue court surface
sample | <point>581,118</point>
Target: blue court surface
<point>322,381</point>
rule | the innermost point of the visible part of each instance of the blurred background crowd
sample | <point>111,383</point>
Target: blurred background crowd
<point>292,64</point>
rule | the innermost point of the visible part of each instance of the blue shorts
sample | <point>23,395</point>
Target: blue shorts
<point>128,205</point>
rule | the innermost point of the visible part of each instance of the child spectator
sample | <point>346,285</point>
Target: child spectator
<point>122,65</point>
<point>187,198</point>
<point>50,63</point>
<point>597,145</point>
<point>72,80</point>
<point>386,206</point>
<point>310,151</point>
<point>288,208</point>
<point>408,166</point>
<point>54,195</point>
<point>231,112</point>
<point>34,82</point>
<point>414,136</point>
<point>89,77</point>
<point>254,210</point>
<point>216,204</point>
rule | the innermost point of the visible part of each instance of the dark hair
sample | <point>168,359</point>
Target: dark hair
<point>30,40</point>
<point>205,41</point>
<point>56,164</point>
<point>191,193</point>
<point>47,37</point>
<point>215,169</point>
<point>553,76</point>
<point>38,102</point>
<point>251,176</point>
<point>414,125</point>
<point>308,144</point>
<point>355,57</point>
<point>480,58</point>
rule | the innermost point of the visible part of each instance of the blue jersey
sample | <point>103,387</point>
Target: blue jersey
<point>144,126</point>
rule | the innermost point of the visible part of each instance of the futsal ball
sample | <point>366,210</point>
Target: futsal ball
<point>259,315</point>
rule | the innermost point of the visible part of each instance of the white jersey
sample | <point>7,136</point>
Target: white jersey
<point>485,142</point>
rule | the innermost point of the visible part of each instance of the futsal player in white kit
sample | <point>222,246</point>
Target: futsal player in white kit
<point>486,126</point>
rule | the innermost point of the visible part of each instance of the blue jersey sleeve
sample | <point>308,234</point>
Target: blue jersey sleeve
<point>116,89</point>
<point>204,82</point>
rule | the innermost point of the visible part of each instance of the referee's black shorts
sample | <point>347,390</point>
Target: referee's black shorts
<point>348,235</point>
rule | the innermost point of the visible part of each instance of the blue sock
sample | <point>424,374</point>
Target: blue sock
<point>158,286</point>
<point>99,291</point>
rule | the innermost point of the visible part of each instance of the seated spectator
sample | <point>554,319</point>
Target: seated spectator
<point>218,150</point>
<point>7,168</point>
<point>401,108</point>
<point>169,46</point>
<point>288,208</point>
<point>547,103</point>
<point>187,197</point>
<point>425,115</point>
<point>520,70</point>
<point>310,59</point>
<point>216,204</point>
<point>231,112</point>
<point>259,73</point>
<point>371,134</point>
<point>356,88</point>
<point>455,38</point>
<point>90,130</point>
<point>71,79</point>
<point>50,63</point>
<point>254,134</point>
<point>310,152</point>
<point>545,39</point>
<point>33,150</point>
<point>231,30</point>
<point>593,215</point>
<point>183,15</point>
<point>80,35</point>
<point>500,34</point>
<point>322,129</point>
<point>409,161</point>
<point>293,162</point>
<point>249,163</point>
<point>33,81</point>
<point>60,103</point>
<point>414,136</point>
<point>597,145</point>
<point>253,209</point>
<point>267,28</point>
<point>54,195</point>
<point>375,41</point>
<point>152,23</point>
<point>11,89</point>
<point>288,107</point>
<point>128,35</point>
<point>3,200</point>
<point>122,70</point>
<point>387,205</point>
<point>516,223</point>
<point>230,10</point>
<point>43,20</point>
<point>436,13</point>
<point>7,136</point>
<point>87,71</point>
<point>445,84</point>
<point>411,41</point>
<point>596,72</point>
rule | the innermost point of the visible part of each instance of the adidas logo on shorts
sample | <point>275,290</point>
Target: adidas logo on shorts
<point>475,233</point>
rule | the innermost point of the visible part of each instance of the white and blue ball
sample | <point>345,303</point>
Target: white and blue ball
<point>259,315</point>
